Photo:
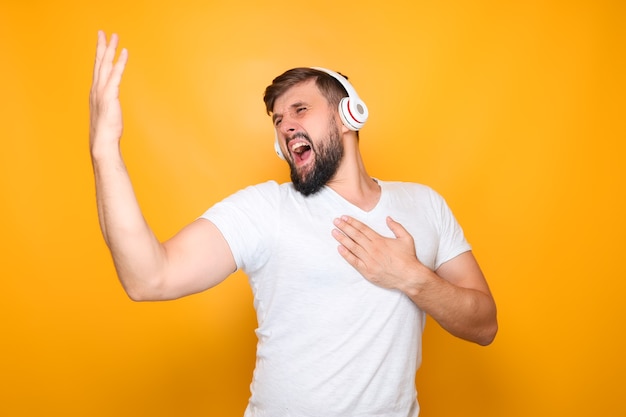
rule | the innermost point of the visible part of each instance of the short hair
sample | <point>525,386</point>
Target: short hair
<point>331,88</point>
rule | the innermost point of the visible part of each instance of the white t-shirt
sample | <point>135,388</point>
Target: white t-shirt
<point>330,343</point>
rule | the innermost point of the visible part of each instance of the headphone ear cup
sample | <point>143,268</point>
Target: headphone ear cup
<point>353,113</point>
<point>352,109</point>
<point>277,149</point>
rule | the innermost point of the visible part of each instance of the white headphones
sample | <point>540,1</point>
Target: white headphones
<point>352,109</point>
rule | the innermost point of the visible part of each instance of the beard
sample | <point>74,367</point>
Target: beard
<point>328,155</point>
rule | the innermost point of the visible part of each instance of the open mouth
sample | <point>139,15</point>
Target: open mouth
<point>300,150</point>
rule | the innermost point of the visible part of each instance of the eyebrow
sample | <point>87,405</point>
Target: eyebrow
<point>293,106</point>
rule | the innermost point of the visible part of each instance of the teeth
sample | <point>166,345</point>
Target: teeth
<point>298,145</point>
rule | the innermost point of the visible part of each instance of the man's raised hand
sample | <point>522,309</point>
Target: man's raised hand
<point>105,111</point>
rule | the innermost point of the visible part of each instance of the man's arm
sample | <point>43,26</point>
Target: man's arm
<point>456,295</point>
<point>193,260</point>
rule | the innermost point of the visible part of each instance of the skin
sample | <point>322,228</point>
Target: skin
<point>197,258</point>
<point>310,171</point>
<point>456,295</point>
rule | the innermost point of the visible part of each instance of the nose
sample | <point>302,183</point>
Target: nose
<point>287,129</point>
<point>288,126</point>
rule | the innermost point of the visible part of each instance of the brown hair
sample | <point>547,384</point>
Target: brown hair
<point>330,88</point>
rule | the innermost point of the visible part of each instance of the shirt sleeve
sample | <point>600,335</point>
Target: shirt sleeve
<point>452,240</point>
<point>247,220</point>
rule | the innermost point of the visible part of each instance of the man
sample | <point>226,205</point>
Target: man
<point>343,267</point>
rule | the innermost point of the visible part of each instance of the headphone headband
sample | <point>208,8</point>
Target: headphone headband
<point>352,109</point>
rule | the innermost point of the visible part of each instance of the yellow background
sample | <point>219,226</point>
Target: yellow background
<point>513,110</point>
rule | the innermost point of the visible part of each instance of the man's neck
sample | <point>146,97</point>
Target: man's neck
<point>353,183</point>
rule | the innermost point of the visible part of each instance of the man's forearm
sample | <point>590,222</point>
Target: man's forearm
<point>464,312</point>
<point>137,254</point>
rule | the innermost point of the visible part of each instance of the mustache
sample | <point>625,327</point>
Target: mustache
<point>296,135</point>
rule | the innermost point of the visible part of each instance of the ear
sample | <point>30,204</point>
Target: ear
<point>349,136</point>
<point>343,127</point>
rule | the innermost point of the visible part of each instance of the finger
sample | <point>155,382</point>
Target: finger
<point>118,68</point>
<point>350,249</point>
<point>350,257</point>
<point>354,228</point>
<point>100,48</point>
<point>398,230</point>
<point>107,60</point>
<point>342,238</point>
<point>111,47</point>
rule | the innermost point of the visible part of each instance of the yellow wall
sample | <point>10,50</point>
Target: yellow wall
<point>513,110</point>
